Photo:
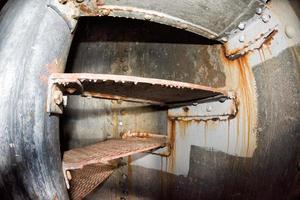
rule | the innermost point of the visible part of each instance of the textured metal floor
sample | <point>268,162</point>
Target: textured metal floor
<point>85,180</point>
<point>86,165</point>
<point>109,150</point>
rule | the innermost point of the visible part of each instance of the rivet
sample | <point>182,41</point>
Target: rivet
<point>124,176</point>
<point>242,38</point>
<point>290,31</point>
<point>185,109</point>
<point>147,17</point>
<point>209,108</point>
<point>183,26</point>
<point>222,99</point>
<point>258,11</point>
<point>265,18</point>
<point>105,12</point>
<point>241,26</point>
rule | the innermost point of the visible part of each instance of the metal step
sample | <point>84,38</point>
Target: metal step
<point>83,181</point>
<point>111,149</point>
<point>127,88</point>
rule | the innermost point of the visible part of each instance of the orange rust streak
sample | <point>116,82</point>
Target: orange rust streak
<point>172,141</point>
<point>239,77</point>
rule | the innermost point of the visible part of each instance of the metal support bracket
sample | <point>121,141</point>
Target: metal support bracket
<point>223,109</point>
<point>252,34</point>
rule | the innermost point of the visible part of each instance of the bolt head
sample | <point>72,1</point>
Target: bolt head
<point>58,97</point>
<point>62,1</point>
<point>209,108</point>
<point>258,11</point>
<point>124,176</point>
<point>106,12</point>
<point>147,17</point>
<point>242,38</point>
<point>265,18</point>
<point>79,1</point>
<point>242,26</point>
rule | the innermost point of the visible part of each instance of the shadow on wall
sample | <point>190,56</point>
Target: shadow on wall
<point>2,3</point>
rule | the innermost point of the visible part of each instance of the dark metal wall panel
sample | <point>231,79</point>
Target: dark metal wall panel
<point>137,48</point>
<point>30,49</point>
<point>213,15</point>
<point>272,172</point>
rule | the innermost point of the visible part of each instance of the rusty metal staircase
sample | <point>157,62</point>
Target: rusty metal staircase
<point>85,168</point>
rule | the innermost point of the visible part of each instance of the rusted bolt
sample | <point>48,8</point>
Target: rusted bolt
<point>62,1</point>
<point>209,108</point>
<point>242,38</point>
<point>58,97</point>
<point>186,109</point>
<point>241,26</point>
<point>258,11</point>
<point>105,12</point>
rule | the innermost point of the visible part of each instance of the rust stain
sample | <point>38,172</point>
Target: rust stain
<point>86,10</point>
<point>270,38</point>
<point>240,78</point>
<point>172,145</point>
<point>56,66</point>
<point>115,124</point>
<point>267,42</point>
<point>183,125</point>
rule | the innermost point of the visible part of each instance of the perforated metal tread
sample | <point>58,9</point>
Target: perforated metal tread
<point>110,150</point>
<point>87,179</point>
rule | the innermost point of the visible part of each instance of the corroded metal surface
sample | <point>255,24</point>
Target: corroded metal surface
<point>84,180</point>
<point>183,14</point>
<point>127,88</point>
<point>110,150</point>
<point>216,110</point>
<point>252,34</point>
